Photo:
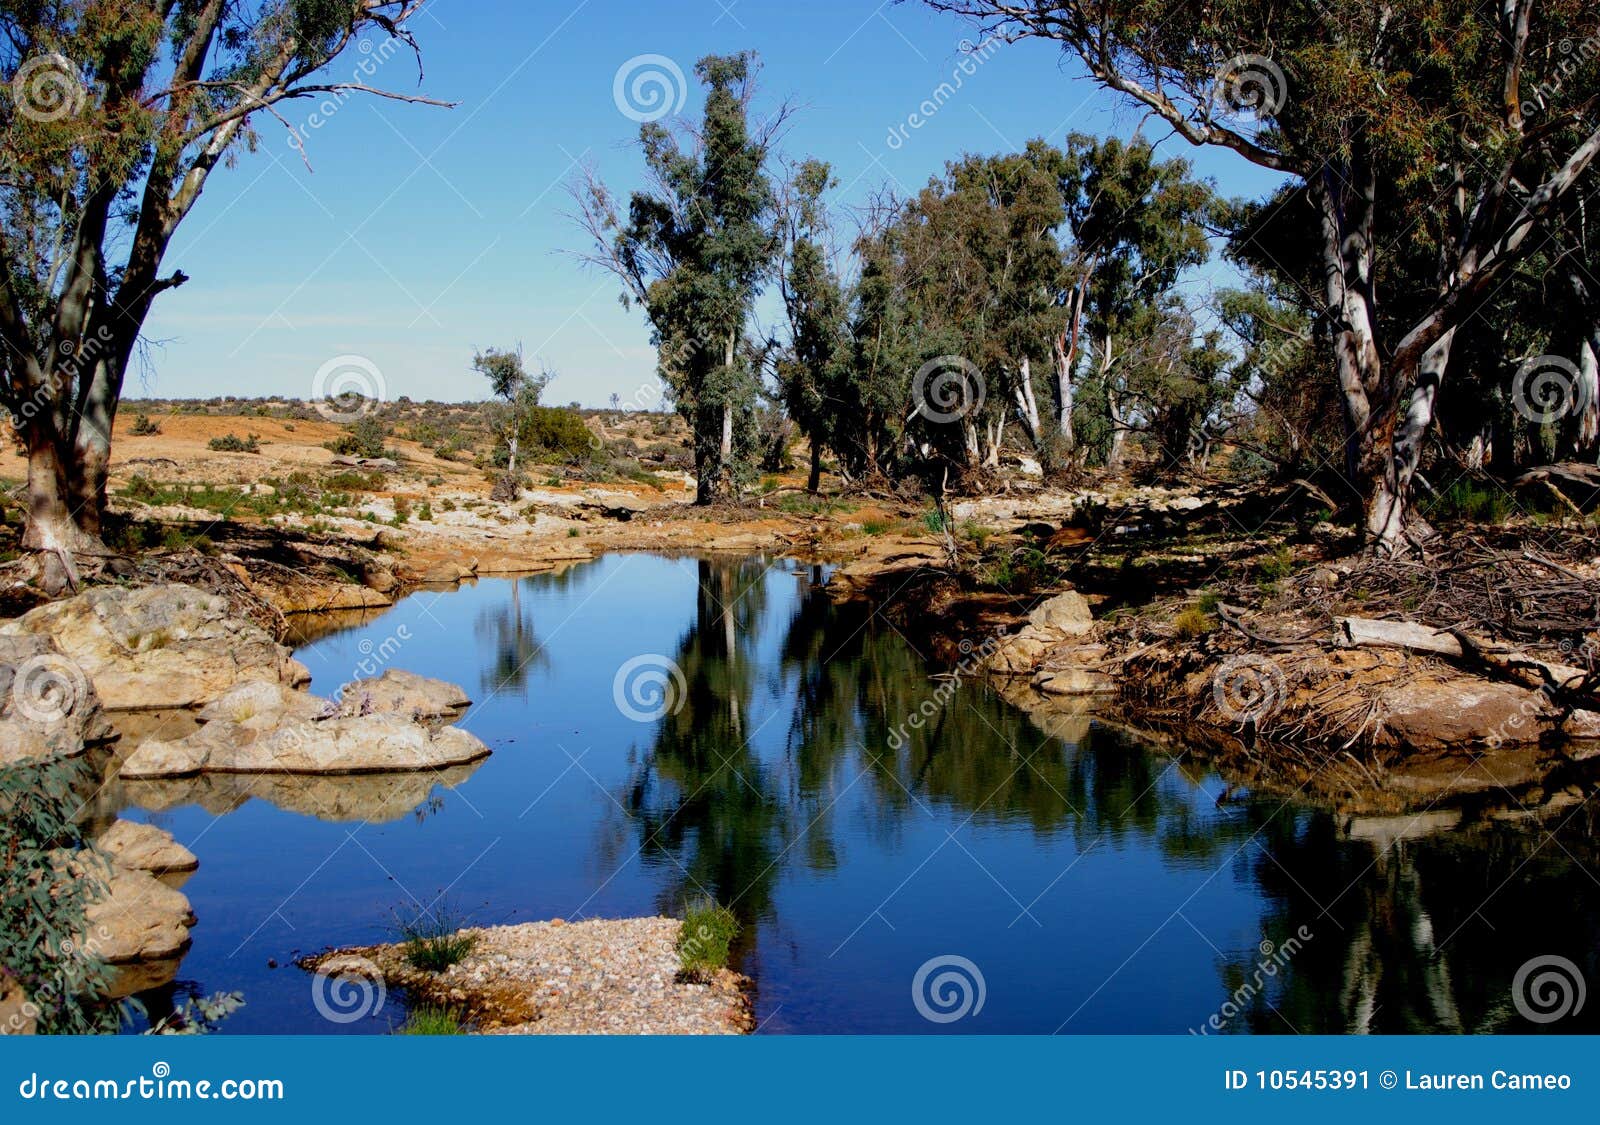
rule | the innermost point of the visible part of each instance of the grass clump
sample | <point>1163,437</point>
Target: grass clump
<point>434,941</point>
<point>1194,623</point>
<point>144,427</point>
<point>706,937</point>
<point>431,1020</point>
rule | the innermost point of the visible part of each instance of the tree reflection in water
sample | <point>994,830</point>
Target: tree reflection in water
<point>723,802</point>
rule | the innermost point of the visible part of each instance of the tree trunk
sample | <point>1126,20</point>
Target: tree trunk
<point>1027,403</point>
<point>814,481</point>
<point>1389,500</point>
<point>52,523</point>
<point>1586,430</point>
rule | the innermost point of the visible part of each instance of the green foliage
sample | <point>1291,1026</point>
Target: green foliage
<point>430,1019</point>
<point>433,940</point>
<point>706,938</point>
<point>693,251</point>
<point>143,426</point>
<point>365,437</point>
<point>558,433</point>
<point>1471,501</point>
<point>233,443</point>
<point>48,879</point>
<point>199,1015</point>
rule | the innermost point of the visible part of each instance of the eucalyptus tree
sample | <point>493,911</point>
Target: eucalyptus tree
<point>1471,117</point>
<point>694,251</point>
<point>511,383</point>
<point>1134,224</point>
<point>113,116</point>
<point>811,371</point>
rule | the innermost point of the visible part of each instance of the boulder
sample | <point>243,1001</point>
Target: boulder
<point>48,706</point>
<point>159,647</point>
<point>1065,614</point>
<point>144,847</point>
<point>1438,715</point>
<point>137,917</point>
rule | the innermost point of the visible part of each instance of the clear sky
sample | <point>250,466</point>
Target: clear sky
<point>420,234</point>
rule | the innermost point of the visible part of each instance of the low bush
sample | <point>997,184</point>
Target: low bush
<point>706,938</point>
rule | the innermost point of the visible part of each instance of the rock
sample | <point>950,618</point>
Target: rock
<point>48,706</point>
<point>262,708</point>
<point>1437,715</point>
<point>404,693</point>
<point>137,917</point>
<point>17,1015</point>
<point>1075,681</point>
<point>1030,467</point>
<point>377,576</point>
<point>379,743</point>
<point>613,505</point>
<point>159,647</point>
<point>1066,614</point>
<point>742,541</point>
<point>1018,654</point>
<point>447,573</point>
<point>144,847</point>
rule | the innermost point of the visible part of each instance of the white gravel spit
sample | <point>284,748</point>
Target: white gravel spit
<point>598,977</point>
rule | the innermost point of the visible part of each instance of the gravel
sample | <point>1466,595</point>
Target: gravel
<point>597,977</point>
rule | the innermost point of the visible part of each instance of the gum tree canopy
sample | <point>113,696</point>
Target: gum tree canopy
<point>113,114</point>
<point>1468,127</point>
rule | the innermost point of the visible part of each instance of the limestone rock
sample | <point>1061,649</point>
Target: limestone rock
<point>404,693</point>
<point>48,706</point>
<point>144,847</point>
<point>1066,614</point>
<point>137,917</point>
<point>159,646</point>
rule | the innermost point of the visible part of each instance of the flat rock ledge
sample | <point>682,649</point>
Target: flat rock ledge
<point>598,977</point>
<point>395,723</point>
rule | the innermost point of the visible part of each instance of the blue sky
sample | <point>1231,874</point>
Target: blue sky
<point>420,234</point>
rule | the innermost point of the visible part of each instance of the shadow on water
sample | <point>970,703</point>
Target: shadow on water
<point>864,817</point>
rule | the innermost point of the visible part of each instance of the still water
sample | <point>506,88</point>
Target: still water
<point>1093,883</point>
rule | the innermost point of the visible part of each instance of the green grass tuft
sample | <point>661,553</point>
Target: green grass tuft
<point>707,935</point>
<point>431,1020</point>
<point>433,941</point>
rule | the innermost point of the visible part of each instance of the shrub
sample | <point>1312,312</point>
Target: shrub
<point>43,902</point>
<point>362,438</point>
<point>706,937</point>
<point>144,427</point>
<point>233,443</point>
<point>558,432</point>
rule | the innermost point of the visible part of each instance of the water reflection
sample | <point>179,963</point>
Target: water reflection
<point>1099,884</point>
